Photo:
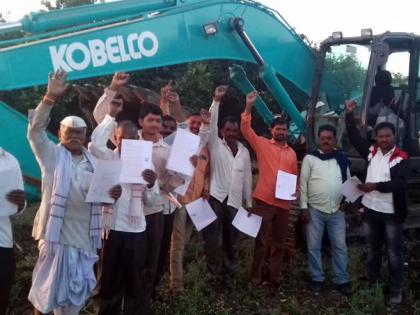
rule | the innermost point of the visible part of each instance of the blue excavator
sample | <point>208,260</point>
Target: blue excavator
<point>131,35</point>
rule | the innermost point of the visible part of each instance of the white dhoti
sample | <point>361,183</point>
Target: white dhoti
<point>62,279</point>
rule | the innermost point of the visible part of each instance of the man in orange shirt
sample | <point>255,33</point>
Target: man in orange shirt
<point>272,155</point>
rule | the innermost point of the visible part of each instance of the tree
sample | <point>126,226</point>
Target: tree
<point>399,79</point>
<point>343,78</point>
<point>61,4</point>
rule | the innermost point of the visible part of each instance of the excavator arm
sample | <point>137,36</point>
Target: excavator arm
<point>160,33</point>
<point>131,35</point>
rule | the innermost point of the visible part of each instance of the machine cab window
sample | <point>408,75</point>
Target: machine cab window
<point>376,72</point>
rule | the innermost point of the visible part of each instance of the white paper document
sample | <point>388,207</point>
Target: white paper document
<point>349,189</point>
<point>106,176</point>
<point>201,213</point>
<point>10,179</point>
<point>182,190</point>
<point>285,185</point>
<point>136,156</point>
<point>184,147</point>
<point>248,225</point>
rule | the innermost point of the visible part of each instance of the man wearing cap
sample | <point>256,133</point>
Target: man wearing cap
<point>66,227</point>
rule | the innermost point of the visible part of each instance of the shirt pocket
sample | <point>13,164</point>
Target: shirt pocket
<point>239,168</point>
<point>86,180</point>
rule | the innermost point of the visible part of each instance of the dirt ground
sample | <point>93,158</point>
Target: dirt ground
<point>236,295</point>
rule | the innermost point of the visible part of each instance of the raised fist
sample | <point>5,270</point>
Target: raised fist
<point>219,92</point>
<point>350,106</point>
<point>118,80</point>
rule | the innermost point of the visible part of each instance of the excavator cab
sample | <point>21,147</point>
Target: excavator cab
<point>354,68</point>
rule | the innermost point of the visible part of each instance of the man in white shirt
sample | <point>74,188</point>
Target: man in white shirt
<point>151,125</point>
<point>384,201</point>
<point>321,176</point>
<point>8,166</point>
<point>67,228</point>
<point>124,248</point>
<point>230,184</point>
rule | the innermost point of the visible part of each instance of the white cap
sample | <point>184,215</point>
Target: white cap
<point>73,122</point>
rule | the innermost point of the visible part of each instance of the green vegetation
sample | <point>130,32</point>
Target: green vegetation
<point>236,296</point>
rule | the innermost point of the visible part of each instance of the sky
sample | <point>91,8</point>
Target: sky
<point>317,19</point>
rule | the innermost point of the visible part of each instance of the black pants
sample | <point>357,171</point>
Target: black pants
<point>223,223</point>
<point>168,222</point>
<point>121,273</point>
<point>7,276</point>
<point>154,232</point>
<point>384,229</point>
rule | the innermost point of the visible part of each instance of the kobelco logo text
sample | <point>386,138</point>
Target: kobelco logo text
<point>115,49</point>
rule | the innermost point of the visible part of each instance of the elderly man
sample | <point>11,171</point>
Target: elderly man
<point>9,166</point>
<point>67,228</point>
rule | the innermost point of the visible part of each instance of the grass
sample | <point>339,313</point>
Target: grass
<point>237,296</point>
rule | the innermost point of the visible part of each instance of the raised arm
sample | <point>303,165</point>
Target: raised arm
<point>360,144</point>
<point>44,148</point>
<point>209,132</point>
<point>118,80</point>
<point>164,98</point>
<point>176,107</point>
<point>103,132</point>
<point>246,129</point>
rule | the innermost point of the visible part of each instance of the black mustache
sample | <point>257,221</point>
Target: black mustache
<point>75,140</point>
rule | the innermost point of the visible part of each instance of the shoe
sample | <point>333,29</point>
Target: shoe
<point>316,287</point>
<point>396,298</point>
<point>344,288</point>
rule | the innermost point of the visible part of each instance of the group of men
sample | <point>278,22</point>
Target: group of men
<point>129,241</point>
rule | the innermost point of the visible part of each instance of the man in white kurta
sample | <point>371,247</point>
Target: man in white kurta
<point>65,226</point>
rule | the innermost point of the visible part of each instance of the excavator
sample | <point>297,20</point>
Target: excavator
<point>130,35</point>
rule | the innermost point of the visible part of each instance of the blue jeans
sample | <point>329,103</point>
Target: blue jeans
<point>384,229</point>
<point>335,224</point>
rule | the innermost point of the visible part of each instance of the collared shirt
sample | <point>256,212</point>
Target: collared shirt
<point>167,180</point>
<point>74,232</point>
<point>378,171</point>
<point>201,177</point>
<point>120,215</point>
<point>230,176</point>
<point>7,162</point>
<point>271,158</point>
<point>320,183</point>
